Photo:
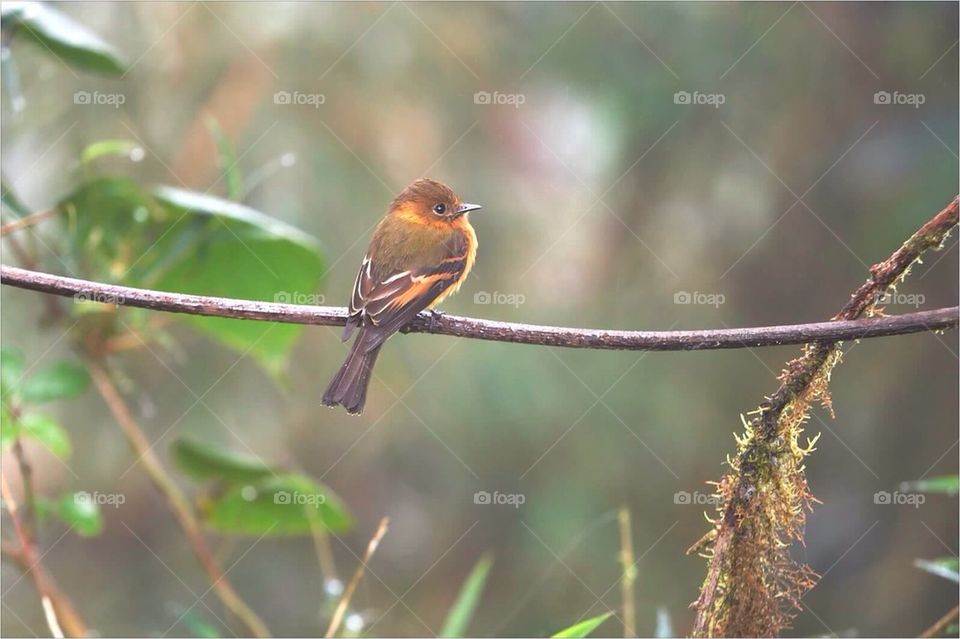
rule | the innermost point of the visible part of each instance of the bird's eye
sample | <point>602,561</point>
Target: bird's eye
<point>439,209</point>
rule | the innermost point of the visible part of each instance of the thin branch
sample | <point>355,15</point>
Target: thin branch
<point>175,498</point>
<point>58,610</point>
<point>750,577</point>
<point>486,329</point>
<point>357,576</point>
<point>24,222</point>
<point>940,626</point>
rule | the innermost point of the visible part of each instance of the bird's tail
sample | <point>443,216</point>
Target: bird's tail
<point>349,386</point>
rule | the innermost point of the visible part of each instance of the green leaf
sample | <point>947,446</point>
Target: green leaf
<point>946,567</point>
<point>104,148</point>
<point>11,369</point>
<point>203,461</point>
<point>946,484</point>
<point>188,242</point>
<point>458,619</point>
<point>227,161</point>
<point>60,35</point>
<point>119,234</point>
<point>247,255</point>
<point>47,431</point>
<point>81,511</point>
<point>59,381</point>
<point>276,506</point>
<point>584,628</point>
<point>264,225</point>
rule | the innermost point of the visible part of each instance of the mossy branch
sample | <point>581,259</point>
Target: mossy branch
<point>753,587</point>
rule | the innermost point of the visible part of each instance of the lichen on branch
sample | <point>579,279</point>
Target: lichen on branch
<point>753,586</point>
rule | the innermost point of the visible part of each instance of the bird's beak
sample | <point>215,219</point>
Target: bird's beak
<point>466,208</point>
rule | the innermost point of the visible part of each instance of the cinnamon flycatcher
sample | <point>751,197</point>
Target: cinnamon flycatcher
<point>420,253</point>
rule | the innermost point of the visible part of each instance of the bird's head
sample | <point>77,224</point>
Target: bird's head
<point>432,202</point>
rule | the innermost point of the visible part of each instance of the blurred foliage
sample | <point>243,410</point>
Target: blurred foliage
<point>62,37</point>
<point>461,612</point>
<point>250,497</point>
<point>583,628</point>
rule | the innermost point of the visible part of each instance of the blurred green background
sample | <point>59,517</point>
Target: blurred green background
<point>629,157</point>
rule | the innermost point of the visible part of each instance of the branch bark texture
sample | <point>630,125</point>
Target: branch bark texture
<point>842,328</point>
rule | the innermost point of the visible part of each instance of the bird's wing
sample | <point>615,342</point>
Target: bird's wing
<point>391,301</point>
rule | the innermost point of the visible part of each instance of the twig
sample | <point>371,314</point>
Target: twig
<point>486,329</point>
<point>175,499</point>
<point>24,222</point>
<point>750,577</point>
<point>26,478</point>
<point>57,608</point>
<point>629,573</point>
<point>322,549</point>
<point>357,576</point>
<point>941,625</point>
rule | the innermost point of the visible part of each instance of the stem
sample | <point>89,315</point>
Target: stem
<point>24,222</point>
<point>175,499</point>
<point>629,573</point>
<point>941,625</point>
<point>843,328</point>
<point>62,618</point>
<point>357,576</point>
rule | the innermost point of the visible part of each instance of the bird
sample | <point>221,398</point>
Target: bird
<point>419,254</point>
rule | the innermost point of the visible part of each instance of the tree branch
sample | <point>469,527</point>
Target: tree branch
<point>752,583</point>
<point>845,329</point>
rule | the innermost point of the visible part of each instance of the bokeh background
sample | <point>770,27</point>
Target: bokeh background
<point>606,199</point>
